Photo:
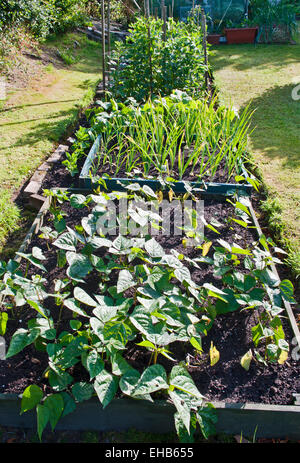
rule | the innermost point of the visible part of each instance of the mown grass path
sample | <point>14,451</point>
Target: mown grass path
<point>264,77</point>
<point>34,120</point>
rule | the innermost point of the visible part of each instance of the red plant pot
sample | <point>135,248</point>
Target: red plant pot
<point>214,39</point>
<point>241,35</point>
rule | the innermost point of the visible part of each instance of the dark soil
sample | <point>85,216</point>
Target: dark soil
<point>221,175</point>
<point>59,177</point>
<point>231,333</point>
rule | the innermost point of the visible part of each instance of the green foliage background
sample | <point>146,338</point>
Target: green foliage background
<point>42,17</point>
<point>148,65</point>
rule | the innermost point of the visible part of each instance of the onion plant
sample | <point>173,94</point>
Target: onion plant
<point>177,136</point>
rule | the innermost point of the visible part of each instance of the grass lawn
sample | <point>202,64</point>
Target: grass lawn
<point>35,119</point>
<point>263,77</point>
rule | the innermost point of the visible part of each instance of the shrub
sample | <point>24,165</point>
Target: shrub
<point>42,17</point>
<point>13,40</point>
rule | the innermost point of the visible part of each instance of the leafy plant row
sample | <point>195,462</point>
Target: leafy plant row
<point>153,62</point>
<point>171,138</point>
<point>43,17</point>
<point>144,297</point>
<point>148,128</point>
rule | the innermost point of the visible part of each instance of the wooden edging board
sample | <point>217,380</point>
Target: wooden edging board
<point>248,419</point>
<point>266,421</point>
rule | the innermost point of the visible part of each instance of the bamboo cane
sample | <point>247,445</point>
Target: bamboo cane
<point>203,26</point>
<point>103,42</point>
<point>108,39</point>
<point>164,16</point>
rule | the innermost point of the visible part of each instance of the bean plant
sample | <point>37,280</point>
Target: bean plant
<point>146,298</point>
<point>147,65</point>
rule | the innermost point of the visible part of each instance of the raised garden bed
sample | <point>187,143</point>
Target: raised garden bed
<point>177,142</point>
<point>88,181</point>
<point>133,318</point>
<point>231,388</point>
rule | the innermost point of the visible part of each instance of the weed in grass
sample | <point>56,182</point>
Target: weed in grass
<point>293,260</point>
<point>67,57</point>
<point>272,208</point>
<point>271,205</point>
<point>49,68</point>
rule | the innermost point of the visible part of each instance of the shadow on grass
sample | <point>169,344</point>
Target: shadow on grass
<point>49,128</point>
<point>27,121</point>
<point>87,63</point>
<point>55,131</point>
<point>244,56</point>
<point>55,127</point>
<point>86,84</point>
<point>14,108</point>
<point>276,123</point>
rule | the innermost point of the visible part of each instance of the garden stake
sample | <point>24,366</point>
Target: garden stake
<point>162,8</point>
<point>108,39</point>
<point>103,41</point>
<point>150,59</point>
<point>147,5</point>
<point>165,23</point>
<point>146,8</point>
<point>203,25</point>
